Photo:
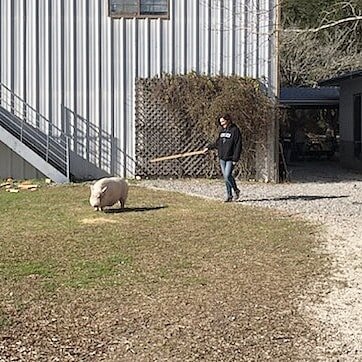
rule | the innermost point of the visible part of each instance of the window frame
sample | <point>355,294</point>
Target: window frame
<point>138,15</point>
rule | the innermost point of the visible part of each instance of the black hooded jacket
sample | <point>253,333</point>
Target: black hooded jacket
<point>228,144</point>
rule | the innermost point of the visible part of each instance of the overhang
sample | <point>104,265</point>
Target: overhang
<point>303,97</point>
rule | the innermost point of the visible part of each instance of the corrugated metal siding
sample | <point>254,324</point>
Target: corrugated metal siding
<point>69,52</point>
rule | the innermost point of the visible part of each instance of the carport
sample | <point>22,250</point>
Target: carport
<point>309,118</point>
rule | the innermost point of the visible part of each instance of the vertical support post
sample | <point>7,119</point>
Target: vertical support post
<point>47,146</point>
<point>277,85</point>
<point>67,158</point>
<point>21,130</point>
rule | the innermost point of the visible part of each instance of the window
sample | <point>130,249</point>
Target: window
<point>139,8</point>
<point>357,124</point>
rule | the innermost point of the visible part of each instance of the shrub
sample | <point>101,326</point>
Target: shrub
<point>200,100</point>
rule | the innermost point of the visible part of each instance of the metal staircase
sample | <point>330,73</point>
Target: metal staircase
<point>24,130</point>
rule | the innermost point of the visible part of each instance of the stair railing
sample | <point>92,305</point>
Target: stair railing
<point>34,130</point>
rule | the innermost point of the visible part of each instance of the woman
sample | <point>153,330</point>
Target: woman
<point>229,147</point>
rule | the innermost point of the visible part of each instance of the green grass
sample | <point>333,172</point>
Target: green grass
<point>173,275</point>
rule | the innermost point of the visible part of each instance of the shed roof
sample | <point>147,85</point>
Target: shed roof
<point>335,81</point>
<point>309,97</point>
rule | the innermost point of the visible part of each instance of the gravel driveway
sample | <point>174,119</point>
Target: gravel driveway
<point>324,193</point>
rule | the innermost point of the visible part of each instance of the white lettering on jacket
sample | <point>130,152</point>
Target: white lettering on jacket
<point>225,135</point>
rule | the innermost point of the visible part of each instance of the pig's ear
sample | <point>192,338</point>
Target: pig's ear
<point>104,189</point>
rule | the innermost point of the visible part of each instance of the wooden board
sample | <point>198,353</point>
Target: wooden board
<point>27,186</point>
<point>178,155</point>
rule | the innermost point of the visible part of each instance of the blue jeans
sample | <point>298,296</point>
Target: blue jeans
<point>227,170</point>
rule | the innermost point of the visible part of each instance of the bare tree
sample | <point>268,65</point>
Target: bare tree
<point>334,46</point>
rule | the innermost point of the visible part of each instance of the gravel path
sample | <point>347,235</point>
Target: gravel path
<point>324,193</point>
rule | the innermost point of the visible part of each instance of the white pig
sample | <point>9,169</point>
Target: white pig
<point>107,191</point>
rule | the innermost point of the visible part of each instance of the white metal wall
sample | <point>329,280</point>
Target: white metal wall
<point>69,52</point>
<point>348,89</point>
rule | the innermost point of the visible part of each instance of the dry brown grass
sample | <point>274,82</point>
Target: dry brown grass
<point>172,278</point>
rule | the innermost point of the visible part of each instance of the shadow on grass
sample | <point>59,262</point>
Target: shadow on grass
<point>296,198</point>
<point>134,209</point>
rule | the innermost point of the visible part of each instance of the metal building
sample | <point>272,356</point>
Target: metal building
<point>68,67</point>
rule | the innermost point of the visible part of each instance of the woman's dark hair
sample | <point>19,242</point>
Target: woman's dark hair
<point>226,116</point>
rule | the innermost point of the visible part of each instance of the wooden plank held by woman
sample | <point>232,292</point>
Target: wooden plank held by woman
<point>178,155</point>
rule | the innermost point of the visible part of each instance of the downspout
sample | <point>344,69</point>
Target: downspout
<point>271,165</point>
<point>278,5</point>
<point>278,14</point>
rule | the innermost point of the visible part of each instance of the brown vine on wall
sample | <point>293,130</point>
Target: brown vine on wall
<point>179,113</point>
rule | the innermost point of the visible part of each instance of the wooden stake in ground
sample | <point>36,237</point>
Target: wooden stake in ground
<point>281,153</point>
<point>178,155</point>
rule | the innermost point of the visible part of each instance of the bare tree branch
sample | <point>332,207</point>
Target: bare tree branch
<point>326,26</point>
<point>307,57</point>
<point>332,47</point>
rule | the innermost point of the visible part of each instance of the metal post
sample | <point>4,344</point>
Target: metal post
<point>67,140</point>
<point>47,146</point>
<point>21,130</point>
